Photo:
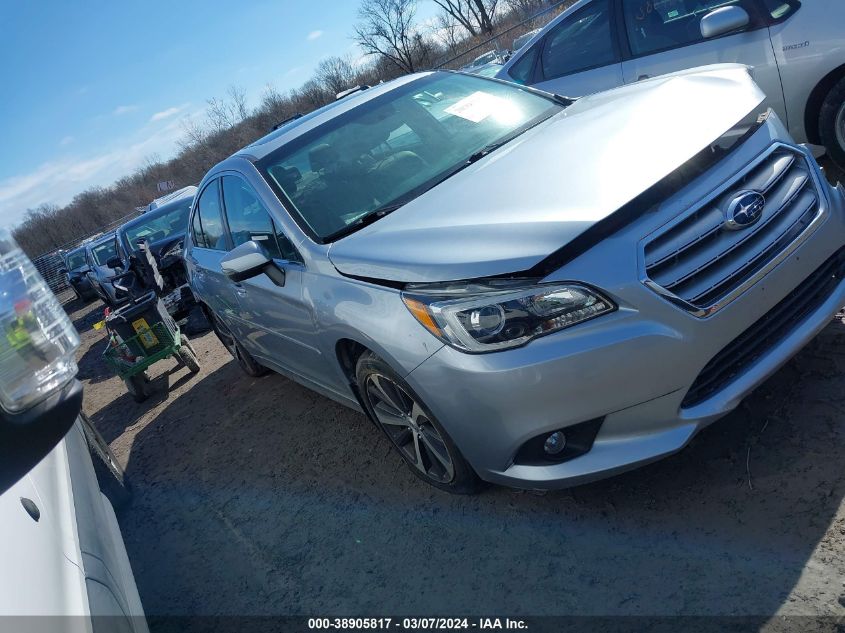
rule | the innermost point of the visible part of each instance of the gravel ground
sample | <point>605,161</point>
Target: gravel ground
<point>257,496</point>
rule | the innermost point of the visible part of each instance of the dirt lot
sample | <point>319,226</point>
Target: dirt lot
<point>257,496</point>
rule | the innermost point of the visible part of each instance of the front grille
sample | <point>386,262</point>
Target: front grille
<point>768,331</point>
<point>699,261</point>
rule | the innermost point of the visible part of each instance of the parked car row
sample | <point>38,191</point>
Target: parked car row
<point>526,288</point>
<point>94,269</point>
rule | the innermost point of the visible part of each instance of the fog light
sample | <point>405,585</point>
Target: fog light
<point>555,443</point>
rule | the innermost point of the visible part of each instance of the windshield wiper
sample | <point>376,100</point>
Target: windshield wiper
<point>364,220</point>
<point>476,156</point>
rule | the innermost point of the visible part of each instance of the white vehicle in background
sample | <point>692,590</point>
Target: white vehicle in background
<point>796,49</point>
<point>523,39</point>
<point>61,547</point>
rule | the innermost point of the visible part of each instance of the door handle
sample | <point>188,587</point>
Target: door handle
<point>240,290</point>
<point>641,77</point>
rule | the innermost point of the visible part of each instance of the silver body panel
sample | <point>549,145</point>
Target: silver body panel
<point>789,60</point>
<point>72,561</point>
<point>632,367</point>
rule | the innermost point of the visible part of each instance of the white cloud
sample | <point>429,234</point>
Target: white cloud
<point>313,35</point>
<point>124,109</point>
<point>67,140</point>
<point>58,181</point>
<point>169,112</point>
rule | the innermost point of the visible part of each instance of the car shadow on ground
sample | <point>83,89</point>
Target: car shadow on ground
<point>258,496</point>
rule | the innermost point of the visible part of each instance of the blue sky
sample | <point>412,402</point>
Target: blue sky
<point>91,90</point>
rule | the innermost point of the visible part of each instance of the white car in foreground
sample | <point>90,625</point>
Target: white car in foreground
<point>62,551</point>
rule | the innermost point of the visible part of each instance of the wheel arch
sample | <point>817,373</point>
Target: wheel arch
<point>815,101</point>
<point>348,351</point>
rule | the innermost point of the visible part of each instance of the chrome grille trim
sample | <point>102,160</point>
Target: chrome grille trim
<point>696,264</point>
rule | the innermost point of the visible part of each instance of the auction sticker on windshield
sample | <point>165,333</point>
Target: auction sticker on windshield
<point>476,107</point>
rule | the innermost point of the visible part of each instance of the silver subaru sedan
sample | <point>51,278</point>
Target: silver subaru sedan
<point>517,287</point>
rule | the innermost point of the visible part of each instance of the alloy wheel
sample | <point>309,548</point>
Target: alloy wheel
<point>410,429</point>
<point>840,126</point>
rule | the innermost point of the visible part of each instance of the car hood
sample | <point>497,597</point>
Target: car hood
<point>512,209</point>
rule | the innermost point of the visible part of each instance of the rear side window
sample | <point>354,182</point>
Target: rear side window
<point>582,41</point>
<point>249,220</point>
<point>207,228</point>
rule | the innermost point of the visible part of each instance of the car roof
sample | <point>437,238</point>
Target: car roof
<point>165,208</point>
<point>101,240</point>
<point>297,127</point>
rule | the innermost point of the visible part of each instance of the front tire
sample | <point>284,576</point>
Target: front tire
<point>412,429</point>
<point>832,124</point>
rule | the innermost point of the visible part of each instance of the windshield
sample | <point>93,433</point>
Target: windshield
<point>76,259</point>
<point>157,225</point>
<point>104,252</point>
<point>394,147</point>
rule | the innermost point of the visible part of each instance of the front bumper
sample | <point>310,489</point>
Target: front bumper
<point>632,368</point>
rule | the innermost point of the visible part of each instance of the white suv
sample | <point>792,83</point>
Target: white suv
<point>796,49</point>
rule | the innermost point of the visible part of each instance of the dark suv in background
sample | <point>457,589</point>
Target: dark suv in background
<point>75,270</point>
<point>99,253</point>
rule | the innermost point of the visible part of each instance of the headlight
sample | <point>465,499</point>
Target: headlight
<point>495,316</point>
<point>37,340</point>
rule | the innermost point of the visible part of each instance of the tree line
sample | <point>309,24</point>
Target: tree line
<point>395,43</point>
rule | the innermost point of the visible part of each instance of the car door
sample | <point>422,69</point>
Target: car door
<point>276,322</point>
<point>664,36</point>
<point>578,56</point>
<point>208,246</point>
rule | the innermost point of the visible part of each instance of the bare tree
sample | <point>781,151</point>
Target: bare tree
<point>476,16</point>
<point>386,28</point>
<point>224,114</point>
<point>523,8</point>
<point>335,73</point>
<point>449,32</point>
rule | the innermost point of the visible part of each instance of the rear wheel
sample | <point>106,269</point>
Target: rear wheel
<point>832,124</point>
<point>412,429</point>
<point>248,364</point>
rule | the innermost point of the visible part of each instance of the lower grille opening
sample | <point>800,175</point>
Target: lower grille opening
<point>768,331</point>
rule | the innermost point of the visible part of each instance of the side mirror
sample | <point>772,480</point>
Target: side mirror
<point>84,270</point>
<point>249,260</point>
<point>114,262</point>
<point>724,20</point>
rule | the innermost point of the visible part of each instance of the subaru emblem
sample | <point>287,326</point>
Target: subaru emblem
<point>744,210</point>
